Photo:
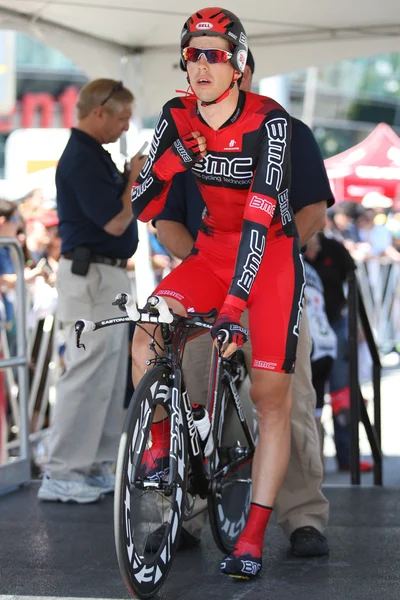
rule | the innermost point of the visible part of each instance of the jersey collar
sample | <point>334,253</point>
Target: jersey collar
<point>235,115</point>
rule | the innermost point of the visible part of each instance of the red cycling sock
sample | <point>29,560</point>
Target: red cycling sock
<point>251,540</point>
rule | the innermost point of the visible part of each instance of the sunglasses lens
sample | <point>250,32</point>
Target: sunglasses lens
<point>191,54</point>
<point>216,56</point>
<point>212,55</point>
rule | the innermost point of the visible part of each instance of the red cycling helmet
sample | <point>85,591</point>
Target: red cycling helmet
<point>216,21</point>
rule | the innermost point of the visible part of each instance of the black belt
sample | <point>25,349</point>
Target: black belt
<point>105,260</point>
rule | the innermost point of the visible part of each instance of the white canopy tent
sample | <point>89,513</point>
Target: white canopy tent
<point>284,36</point>
<point>139,43</point>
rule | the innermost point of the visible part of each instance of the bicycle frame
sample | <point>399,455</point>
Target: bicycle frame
<point>174,344</point>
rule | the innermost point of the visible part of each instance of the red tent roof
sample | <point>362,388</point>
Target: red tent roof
<point>371,166</point>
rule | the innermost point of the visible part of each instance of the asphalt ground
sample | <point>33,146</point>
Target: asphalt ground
<point>67,551</point>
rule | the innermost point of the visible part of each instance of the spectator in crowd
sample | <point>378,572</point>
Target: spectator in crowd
<point>324,341</point>
<point>375,237</point>
<point>344,227</point>
<point>98,235</point>
<point>37,239</point>
<point>10,226</point>
<point>301,508</point>
<point>333,263</point>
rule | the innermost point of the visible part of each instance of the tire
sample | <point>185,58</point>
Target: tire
<point>228,507</point>
<point>138,513</point>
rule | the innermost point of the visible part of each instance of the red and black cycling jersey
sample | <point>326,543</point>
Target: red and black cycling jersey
<point>244,178</point>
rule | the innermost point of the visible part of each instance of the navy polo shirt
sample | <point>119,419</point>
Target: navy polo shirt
<point>309,183</point>
<point>89,190</point>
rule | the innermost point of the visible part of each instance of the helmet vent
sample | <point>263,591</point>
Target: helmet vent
<point>199,16</point>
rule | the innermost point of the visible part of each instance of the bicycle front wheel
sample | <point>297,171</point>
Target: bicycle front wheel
<point>148,509</point>
<point>229,501</point>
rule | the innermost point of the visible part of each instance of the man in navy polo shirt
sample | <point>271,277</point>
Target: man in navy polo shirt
<point>301,508</point>
<point>98,235</point>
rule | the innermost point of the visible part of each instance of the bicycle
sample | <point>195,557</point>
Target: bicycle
<point>223,477</point>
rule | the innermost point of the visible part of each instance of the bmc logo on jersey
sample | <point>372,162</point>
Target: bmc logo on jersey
<point>237,168</point>
<point>283,200</point>
<point>158,132</point>
<point>253,262</point>
<point>181,150</point>
<point>204,25</point>
<point>263,204</point>
<point>276,131</point>
<point>138,190</point>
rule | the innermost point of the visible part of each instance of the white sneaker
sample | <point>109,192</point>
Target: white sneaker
<point>54,490</point>
<point>101,476</point>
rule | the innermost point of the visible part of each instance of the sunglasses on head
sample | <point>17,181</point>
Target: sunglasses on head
<point>212,55</point>
<point>117,88</point>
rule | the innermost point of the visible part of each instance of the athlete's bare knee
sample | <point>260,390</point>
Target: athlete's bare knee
<point>271,393</point>
<point>141,346</point>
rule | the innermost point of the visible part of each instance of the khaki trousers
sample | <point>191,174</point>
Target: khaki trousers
<point>87,418</point>
<point>300,501</point>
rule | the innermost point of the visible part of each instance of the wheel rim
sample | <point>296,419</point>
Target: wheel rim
<point>144,554</point>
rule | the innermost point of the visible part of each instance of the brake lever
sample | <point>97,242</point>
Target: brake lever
<point>222,338</point>
<point>79,327</point>
<point>120,301</point>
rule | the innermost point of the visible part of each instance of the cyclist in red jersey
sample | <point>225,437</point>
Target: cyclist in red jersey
<point>237,145</point>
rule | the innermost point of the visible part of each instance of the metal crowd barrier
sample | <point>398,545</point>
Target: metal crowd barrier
<point>379,281</point>
<point>18,470</point>
<point>358,412</point>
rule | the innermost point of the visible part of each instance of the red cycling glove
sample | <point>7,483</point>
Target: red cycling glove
<point>183,154</point>
<point>228,324</point>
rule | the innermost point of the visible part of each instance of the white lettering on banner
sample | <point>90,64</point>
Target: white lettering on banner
<point>263,204</point>
<point>262,364</point>
<point>140,189</point>
<point>253,262</point>
<point>237,168</point>
<point>283,200</point>
<point>369,172</point>
<point>276,131</point>
<point>155,142</point>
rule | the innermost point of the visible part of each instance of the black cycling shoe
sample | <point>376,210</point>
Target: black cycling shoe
<point>187,541</point>
<point>244,566</point>
<point>308,541</point>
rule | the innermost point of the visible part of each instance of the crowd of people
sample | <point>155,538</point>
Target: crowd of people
<point>85,247</point>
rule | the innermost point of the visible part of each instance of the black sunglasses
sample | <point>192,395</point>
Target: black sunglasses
<point>118,87</point>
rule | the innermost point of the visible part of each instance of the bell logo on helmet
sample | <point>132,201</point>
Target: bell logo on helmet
<point>204,25</point>
<point>241,59</point>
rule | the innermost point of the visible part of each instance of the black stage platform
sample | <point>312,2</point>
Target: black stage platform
<point>67,551</point>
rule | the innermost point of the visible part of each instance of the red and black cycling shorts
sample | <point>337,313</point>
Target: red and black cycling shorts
<point>202,280</point>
